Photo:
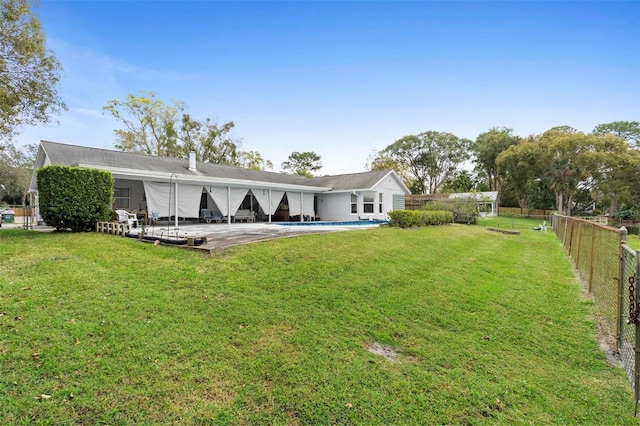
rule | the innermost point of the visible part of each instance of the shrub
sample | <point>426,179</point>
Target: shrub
<point>410,218</point>
<point>628,214</point>
<point>74,198</point>
<point>464,209</point>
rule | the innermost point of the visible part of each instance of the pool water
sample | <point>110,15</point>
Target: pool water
<point>338,223</point>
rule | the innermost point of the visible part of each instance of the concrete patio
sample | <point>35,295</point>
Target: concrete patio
<point>220,236</point>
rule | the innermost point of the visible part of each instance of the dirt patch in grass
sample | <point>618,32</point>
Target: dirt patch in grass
<point>504,231</point>
<point>606,337</point>
<point>387,352</point>
<point>607,342</point>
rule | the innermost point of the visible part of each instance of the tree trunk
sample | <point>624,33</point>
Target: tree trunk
<point>559,203</point>
<point>522,202</point>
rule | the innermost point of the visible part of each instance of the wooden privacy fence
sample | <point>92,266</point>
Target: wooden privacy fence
<point>610,270</point>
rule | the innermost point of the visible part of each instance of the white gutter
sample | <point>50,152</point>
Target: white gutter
<point>203,180</point>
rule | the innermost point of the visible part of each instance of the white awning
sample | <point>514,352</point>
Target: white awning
<point>300,203</point>
<point>220,196</point>
<point>294,203</point>
<point>262,197</point>
<point>307,204</point>
<point>157,195</point>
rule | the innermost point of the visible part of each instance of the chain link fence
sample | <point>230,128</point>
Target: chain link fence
<point>610,270</point>
<point>629,336</point>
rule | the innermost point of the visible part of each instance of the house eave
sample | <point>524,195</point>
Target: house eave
<point>122,173</point>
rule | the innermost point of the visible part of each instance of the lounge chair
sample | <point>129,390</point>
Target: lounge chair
<point>211,216</point>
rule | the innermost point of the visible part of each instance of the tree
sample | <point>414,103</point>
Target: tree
<point>615,176</point>
<point>211,143</point>
<point>564,129</point>
<point>150,124</point>
<point>379,161</point>
<point>430,157</point>
<point>460,181</point>
<point>487,148</point>
<point>521,167</point>
<point>15,172</point>
<point>29,73</point>
<point>302,163</point>
<point>578,161</point>
<point>154,127</point>
<point>254,161</point>
<point>577,168</point>
<point>627,130</point>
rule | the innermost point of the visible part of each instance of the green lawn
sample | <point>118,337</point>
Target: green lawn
<point>633,241</point>
<point>511,222</point>
<point>489,329</point>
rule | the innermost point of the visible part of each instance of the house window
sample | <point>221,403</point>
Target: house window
<point>380,202</point>
<point>121,199</point>
<point>354,204</point>
<point>368,199</point>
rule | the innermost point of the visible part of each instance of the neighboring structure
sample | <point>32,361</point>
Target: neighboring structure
<point>176,188</point>
<point>487,201</point>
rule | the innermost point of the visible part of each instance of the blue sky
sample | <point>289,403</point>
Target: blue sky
<point>345,79</point>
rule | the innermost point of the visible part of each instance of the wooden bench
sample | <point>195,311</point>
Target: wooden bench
<point>245,215</point>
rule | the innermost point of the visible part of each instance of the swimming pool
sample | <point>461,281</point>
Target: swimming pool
<point>337,223</point>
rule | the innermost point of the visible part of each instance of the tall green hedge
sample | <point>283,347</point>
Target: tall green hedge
<point>74,198</point>
<point>410,218</point>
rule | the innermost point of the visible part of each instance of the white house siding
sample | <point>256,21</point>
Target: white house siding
<point>337,206</point>
<point>389,187</point>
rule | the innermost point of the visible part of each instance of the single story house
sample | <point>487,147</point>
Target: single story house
<point>177,188</point>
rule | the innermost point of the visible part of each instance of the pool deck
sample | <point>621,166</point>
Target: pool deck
<point>221,235</point>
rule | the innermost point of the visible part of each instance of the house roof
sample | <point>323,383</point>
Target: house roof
<point>74,155</point>
<point>351,181</point>
<point>122,164</point>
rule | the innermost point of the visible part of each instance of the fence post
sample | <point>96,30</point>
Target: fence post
<point>579,244</point>
<point>573,222</point>
<point>636,355</point>
<point>636,378</point>
<point>622,233</point>
<point>592,255</point>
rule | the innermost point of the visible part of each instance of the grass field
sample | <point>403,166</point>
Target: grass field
<point>512,222</point>
<point>486,328</point>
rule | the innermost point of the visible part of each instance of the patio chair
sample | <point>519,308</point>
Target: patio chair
<point>244,214</point>
<point>217,216</point>
<point>211,216</point>
<point>126,217</point>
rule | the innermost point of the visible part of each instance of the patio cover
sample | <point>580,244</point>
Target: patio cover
<point>307,204</point>
<point>295,200</point>
<point>220,196</point>
<point>262,197</point>
<point>157,195</point>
